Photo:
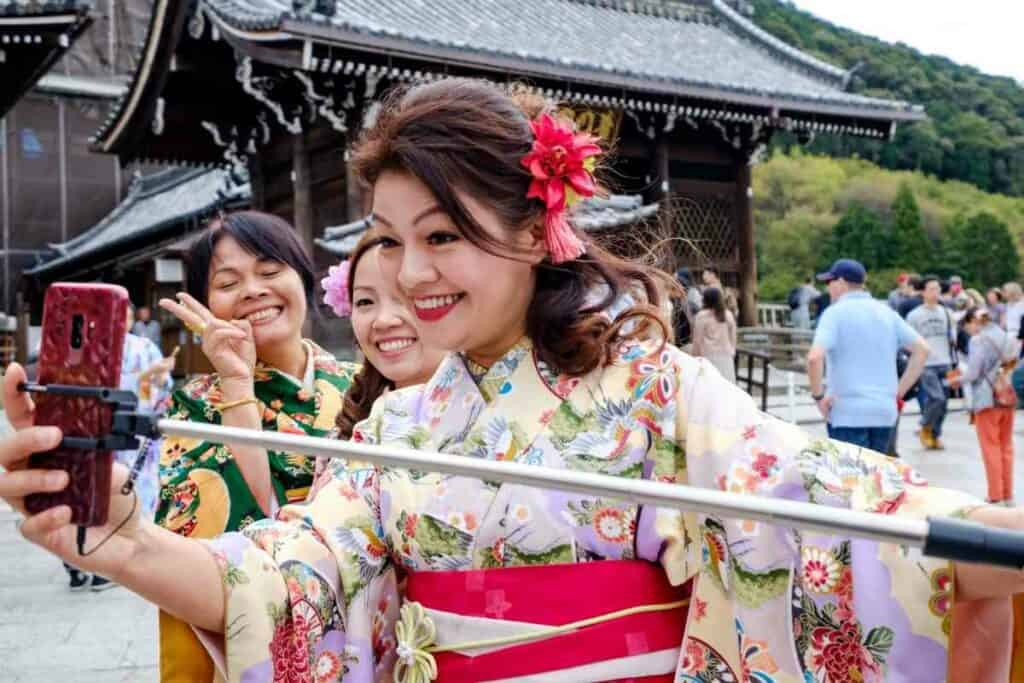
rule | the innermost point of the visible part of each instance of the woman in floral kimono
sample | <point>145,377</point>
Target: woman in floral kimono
<point>249,289</point>
<point>506,582</point>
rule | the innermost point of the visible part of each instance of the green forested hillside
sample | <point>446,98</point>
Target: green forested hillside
<point>810,208</point>
<point>975,132</point>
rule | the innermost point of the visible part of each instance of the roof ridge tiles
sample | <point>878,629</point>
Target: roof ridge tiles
<point>655,8</point>
<point>748,30</point>
<point>109,231</point>
<point>141,187</point>
<point>34,7</point>
<point>165,179</point>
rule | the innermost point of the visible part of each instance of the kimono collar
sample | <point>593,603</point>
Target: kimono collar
<point>491,380</point>
<point>308,380</point>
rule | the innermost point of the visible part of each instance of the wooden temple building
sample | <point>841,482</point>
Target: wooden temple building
<point>33,36</point>
<point>63,64</point>
<point>686,93</point>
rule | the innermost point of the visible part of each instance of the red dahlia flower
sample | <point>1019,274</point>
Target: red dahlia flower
<point>562,164</point>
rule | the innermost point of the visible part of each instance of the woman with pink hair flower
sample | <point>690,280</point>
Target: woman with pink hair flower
<point>393,355</point>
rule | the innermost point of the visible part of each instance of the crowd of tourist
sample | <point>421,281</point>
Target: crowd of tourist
<point>930,340</point>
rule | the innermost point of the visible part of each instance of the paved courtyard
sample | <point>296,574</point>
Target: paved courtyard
<point>48,634</point>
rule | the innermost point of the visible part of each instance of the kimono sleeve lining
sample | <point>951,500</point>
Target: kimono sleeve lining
<point>215,644</point>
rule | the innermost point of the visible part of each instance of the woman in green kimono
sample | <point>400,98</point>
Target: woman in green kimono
<point>249,291</point>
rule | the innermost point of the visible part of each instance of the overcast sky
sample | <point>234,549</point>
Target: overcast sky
<point>987,34</point>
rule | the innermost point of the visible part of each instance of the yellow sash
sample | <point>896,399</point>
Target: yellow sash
<point>183,658</point>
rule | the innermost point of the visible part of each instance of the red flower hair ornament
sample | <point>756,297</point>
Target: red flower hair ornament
<point>562,165</point>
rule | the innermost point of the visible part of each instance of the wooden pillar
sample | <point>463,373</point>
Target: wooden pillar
<point>745,238</point>
<point>661,165</point>
<point>257,181</point>
<point>354,209</point>
<point>302,207</point>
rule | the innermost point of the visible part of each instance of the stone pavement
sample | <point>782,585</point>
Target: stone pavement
<point>49,634</point>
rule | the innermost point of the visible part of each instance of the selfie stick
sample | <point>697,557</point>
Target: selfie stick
<point>941,537</point>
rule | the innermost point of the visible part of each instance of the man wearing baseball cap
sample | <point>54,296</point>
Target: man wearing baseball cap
<point>860,338</point>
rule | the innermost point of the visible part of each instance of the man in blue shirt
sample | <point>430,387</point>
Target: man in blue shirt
<point>860,337</point>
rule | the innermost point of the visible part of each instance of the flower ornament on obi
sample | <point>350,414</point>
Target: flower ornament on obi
<point>336,294</point>
<point>562,165</point>
<point>415,633</point>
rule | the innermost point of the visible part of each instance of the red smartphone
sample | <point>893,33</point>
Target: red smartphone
<point>84,326</point>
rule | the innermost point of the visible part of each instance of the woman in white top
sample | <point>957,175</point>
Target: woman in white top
<point>714,334</point>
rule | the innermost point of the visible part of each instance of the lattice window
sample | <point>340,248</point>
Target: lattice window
<point>706,231</point>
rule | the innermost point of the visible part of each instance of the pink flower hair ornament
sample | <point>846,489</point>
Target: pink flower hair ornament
<point>562,164</point>
<point>336,294</point>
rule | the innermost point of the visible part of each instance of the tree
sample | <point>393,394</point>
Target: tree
<point>918,147</point>
<point>910,247</point>
<point>799,199</point>
<point>974,118</point>
<point>978,142</point>
<point>859,234</point>
<point>981,250</point>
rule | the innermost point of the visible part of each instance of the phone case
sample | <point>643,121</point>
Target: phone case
<point>84,326</point>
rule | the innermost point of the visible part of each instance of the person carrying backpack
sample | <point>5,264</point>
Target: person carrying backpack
<point>991,355</point>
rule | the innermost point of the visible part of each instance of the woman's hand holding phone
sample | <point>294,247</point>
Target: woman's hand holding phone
<point>52,529</point>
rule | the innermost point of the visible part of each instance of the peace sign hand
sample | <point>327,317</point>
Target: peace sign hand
<point>229,345</point>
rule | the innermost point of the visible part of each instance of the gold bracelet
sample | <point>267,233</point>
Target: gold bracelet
<point>221,407</point>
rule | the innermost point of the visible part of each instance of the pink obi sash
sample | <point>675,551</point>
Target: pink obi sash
<point>478,605</point>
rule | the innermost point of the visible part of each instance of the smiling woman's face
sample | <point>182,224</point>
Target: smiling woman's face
<point>383,324</point>
<point>464,298</point>
<point>269,294</point>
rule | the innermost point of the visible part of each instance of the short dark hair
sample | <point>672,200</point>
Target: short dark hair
<point>930,278</point>
<point>975,313</point>
<point>264,236</point>
<point>916,282</point>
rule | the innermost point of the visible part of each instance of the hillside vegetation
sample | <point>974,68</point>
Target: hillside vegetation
<point>975,130</point>
<point>810,208</point>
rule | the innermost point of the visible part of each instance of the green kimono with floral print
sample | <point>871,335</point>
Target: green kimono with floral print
<point>202,491</point>
<point>314,594</point>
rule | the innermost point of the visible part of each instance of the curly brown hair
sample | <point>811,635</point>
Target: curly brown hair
<point>368,384</point>
<point>471,136</point>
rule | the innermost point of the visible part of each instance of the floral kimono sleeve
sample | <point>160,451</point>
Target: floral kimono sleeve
<point>786,605</point>
<point>311,596</point>
<point>202,490</point>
